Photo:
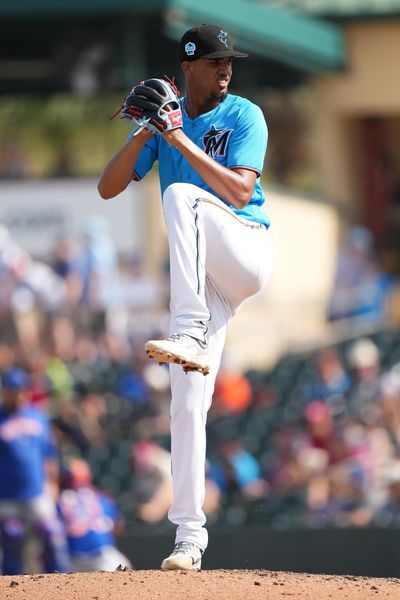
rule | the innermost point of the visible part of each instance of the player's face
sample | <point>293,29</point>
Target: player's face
<point>211,76</point>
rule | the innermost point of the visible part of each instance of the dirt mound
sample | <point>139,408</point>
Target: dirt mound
<point>204,585</point>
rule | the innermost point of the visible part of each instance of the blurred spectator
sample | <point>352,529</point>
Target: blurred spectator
<point>35,360</point>
<point>85,367</point>
<point>331,382</point>
<point>97,265</point>
<point>132,386</point>
<point>60,378</point>
<point>151,466</point>
<point>389,514</point>
<point>62,338</point>
<point>390,402</point>
<point>29,287</point>
<point>360,288</point>
<point>67,427</point>
<point>28,480</point>
<point>156,421</point>
<point>236,471</point>
<point>92,412</point>
<point>321,433</point>
<point>140,292</point>
<point>232,393</point>
<point>363,396</point>
<point>142,300</point>
<point>65,255</point>
<point>287,471</point>
<point>346,500</point>
<point>116,352</point>
<point>91,521</point>
<point>65,265</point>
<point>7,357</point>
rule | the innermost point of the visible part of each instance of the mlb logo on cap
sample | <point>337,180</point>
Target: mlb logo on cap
<point>190,48</point>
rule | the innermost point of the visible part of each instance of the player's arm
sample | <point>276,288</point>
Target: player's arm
<point>236,186</point>
<point>118,173</point>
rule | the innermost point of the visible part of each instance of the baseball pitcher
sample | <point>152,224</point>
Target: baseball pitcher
<point>210,147</point>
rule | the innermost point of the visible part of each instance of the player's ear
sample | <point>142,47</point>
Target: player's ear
<point>186,67</point>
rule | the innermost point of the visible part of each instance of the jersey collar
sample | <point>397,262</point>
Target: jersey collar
<point>211,113</point>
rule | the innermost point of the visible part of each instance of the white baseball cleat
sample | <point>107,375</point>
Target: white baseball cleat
<point>186,556</point>
<point>180,349</point>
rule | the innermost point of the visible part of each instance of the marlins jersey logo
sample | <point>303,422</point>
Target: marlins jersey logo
<point>216,141</point>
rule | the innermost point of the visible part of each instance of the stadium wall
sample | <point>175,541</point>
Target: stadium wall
<point>362,552</point>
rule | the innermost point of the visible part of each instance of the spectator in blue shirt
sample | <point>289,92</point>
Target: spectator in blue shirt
<point>91,519</point>
<point>237,471</point>
<point>28,469</point>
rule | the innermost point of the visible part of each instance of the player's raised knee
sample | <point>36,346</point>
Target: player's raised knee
<point>175,192</point>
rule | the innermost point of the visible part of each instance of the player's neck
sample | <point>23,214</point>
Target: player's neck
<point>199,106</point>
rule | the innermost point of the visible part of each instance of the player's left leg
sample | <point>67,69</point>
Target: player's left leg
<point>217,260</point>
<point>191,399</point>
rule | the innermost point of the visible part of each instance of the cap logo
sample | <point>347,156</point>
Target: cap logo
<point>223,37</point>
<point>190,48</point>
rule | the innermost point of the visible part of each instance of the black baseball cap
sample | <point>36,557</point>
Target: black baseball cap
<point>207,41</point>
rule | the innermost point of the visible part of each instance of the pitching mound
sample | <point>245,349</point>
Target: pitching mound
<point>205,585</point>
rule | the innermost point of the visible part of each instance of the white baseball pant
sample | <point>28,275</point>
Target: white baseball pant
<point>217,260</point>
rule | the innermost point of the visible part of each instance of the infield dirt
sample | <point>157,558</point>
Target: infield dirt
<point>203,585</point>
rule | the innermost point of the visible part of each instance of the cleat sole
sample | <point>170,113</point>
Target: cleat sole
<point>167,357</point>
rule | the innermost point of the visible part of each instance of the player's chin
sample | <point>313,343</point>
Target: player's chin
<point>220,95</point>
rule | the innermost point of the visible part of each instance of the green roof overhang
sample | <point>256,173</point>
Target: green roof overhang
<point>342,9</point>
<point>300,41</point>
<point>275,33</point>
<point>54,8</point>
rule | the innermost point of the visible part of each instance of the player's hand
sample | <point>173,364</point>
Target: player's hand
<point>153,104</point>
<point>174,137</point>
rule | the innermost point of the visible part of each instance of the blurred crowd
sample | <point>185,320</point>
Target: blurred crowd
<point>84,416</point>
<point>332,454</point>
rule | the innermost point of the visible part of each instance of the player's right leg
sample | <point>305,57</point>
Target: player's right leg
<point>187,345</point>
<point>180,349</point>
<point>207,240</point>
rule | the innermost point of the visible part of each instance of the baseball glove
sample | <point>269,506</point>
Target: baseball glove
<point>154,105</point>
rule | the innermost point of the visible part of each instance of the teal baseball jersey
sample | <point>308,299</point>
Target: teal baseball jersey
<point>234,134</point>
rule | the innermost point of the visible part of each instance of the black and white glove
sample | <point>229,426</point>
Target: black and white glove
<point>154,105</point>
